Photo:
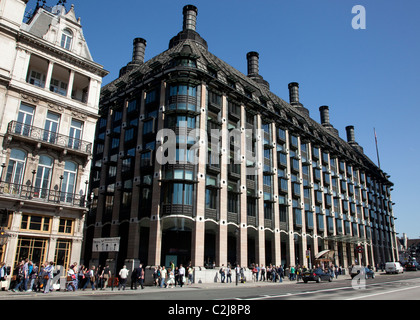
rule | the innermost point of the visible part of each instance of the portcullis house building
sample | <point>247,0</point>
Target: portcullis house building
<point>264,184</point>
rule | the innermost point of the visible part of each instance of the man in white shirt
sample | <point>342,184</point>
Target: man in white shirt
<point>163,273</point>
<point>181,273</point>
<point>123,277</point>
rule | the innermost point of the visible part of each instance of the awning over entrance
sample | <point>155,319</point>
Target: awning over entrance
<point>348,239</point>
<point>322,254</point>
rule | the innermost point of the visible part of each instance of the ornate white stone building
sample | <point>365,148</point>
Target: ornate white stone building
<point>49,94</point>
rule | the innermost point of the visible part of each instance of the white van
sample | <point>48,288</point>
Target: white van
<point>394,267</point>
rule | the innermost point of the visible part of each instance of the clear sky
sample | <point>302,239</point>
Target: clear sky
<point>369,78</point>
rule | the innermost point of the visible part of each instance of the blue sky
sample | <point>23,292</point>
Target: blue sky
<point>369,78</point>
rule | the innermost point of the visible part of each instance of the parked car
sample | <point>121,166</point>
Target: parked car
<point>411,266</point>
<point>368,273</point>
<point>393,267</point>
<point>317,275</point>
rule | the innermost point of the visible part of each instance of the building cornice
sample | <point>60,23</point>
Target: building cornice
<point>62,54</point>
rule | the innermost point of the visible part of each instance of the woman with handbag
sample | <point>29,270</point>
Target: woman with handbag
<point>71,277</point>
<point>48,276</point>
<point>90,276</point>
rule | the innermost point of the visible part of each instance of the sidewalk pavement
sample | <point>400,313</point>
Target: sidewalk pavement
<point>195,286</point>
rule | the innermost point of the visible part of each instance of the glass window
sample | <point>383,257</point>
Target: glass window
<point>320,222</point>
<point>177,193</point>
<point>51,127</point>
<point>58,86</point>
<point>182,104</point>
<point>132,106</point>
<point>16,168</point>
<point>37,79</point>
<point>297,216</point>
<point>211,198</point>
<point>62,253</point>
<point>148,126</point>
<point>25,118</point>
<point>268,211</point>
<point>75,134</point>
<point>66,39</point>
<point>309,219</point>
<point>146,159</point>
<point>188,195</point>
<point>65,226</point>
<point>232,202</point>
<point>35,223</point>
<point>43,176</point>
<point>69,181</point>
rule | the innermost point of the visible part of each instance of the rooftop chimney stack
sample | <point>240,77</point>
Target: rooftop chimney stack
<point>294,93</point>
<point>139,49</point>
<point>253,63</point>
<point>325,115</point>
<point>325,119</point>
<point>350,134</point>
<point>189,24</point>
<point>190,17</point>
<point>351,139</point>
<point>253,59</point>
<point>294,97</point>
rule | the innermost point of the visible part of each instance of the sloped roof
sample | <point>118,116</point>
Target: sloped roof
<point>276,106</point>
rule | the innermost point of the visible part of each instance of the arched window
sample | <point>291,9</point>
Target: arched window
<point>69,181</point>
<point>66,39</point>
<point>43,177</point>
<point>15,170</point>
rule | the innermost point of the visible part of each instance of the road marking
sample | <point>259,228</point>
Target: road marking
<point>386,292</point>
<point>289,294</point>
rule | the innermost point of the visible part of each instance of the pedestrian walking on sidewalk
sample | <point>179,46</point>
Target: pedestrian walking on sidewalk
<point>123,277</point>
<point>106,275</point>
<point>228,274</point>
<point>171,279</point>
<point>139,276</point>
<point>181,272</point>
<point>90,275</point>
<point>163,273</point>
<point>48,276</point>
<point>222,274</point>
<point>190,272</point>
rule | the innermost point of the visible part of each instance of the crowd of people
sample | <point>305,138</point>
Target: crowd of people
<point>279,273</point>
<point>172,276</point>
<point>28,276</point>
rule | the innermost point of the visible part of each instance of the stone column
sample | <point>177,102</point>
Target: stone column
<point>198,233</point>
<point>222,237</point>
<point>155,235</point>
<point>276,246</point>
<point>243,230</point>
<point>260,241</point>
<point>291,258</point>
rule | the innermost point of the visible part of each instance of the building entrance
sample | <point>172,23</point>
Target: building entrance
<point>176,245</point>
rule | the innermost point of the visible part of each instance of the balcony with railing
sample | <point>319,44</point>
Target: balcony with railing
<point>33,134</point>
<point>49,196</point>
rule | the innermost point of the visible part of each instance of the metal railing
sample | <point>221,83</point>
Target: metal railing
<point>42,135</point>
<point>55,196</point>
